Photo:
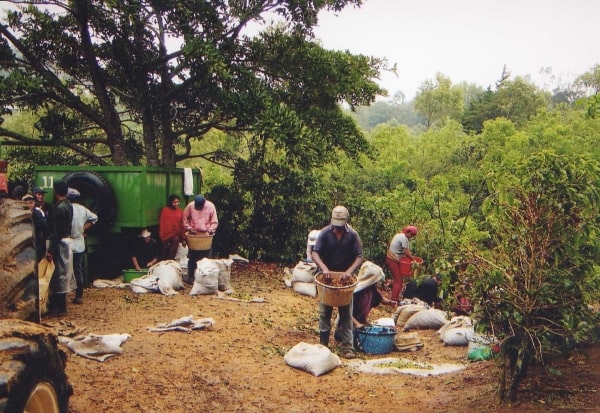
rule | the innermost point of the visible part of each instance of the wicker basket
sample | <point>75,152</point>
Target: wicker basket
<point>199,242</point>
<point>335,296</point>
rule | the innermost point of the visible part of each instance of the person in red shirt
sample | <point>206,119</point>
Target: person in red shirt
<point>170,228</point>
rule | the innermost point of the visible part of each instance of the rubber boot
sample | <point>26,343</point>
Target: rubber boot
<point>324,337</point>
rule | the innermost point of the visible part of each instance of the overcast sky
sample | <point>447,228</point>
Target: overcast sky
<point>469,40</point>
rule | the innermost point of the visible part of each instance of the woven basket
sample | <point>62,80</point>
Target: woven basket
<point>335,296</point>
<point>199,242</point>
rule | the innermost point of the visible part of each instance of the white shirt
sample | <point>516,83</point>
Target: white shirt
<point>81,215</point>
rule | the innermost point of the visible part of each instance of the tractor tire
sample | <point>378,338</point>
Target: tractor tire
<point>97,195</point>
<point>18,284</point>
<point>32,370</point>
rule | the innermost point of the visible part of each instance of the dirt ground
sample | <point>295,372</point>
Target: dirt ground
<point>239,365</point>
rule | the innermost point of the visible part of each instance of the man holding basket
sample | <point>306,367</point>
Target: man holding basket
<point>338,248</point>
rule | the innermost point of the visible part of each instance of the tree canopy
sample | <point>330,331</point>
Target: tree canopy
<point>133,81</point>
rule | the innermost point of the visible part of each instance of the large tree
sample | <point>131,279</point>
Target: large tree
<point>439,100</point>
<point>120,81</point>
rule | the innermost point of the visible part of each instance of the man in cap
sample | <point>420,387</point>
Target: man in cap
<point>338,248</point>
<point>199,217</point>
<point>38,194</point>
<point>83,219</point>
<point>60,250</point>
<point>40,228</point>
<point>145,253</point>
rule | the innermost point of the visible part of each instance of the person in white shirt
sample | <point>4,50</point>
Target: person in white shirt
<point>83,219</point>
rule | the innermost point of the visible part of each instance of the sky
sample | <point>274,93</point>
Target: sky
<point>469,40</point>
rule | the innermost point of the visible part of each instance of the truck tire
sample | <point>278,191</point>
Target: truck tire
<point>97,195</point>
<point>18,284</point>
<point>32,370</point>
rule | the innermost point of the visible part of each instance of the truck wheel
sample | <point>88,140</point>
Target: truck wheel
<point>19,290</point>
<point>96,194</point>
<point>32,369</point>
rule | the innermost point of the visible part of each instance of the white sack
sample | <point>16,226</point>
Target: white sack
<point>309,289</point>
<point>312,358</point>
<point>181,256</point>
<point>206,278</point>
<point>385,322</point>
<point>404,312</point>
<point>163,277</point>
<point>185,324</point>
<point>304,272</point>
<point>117,283</point>
<point>96,347</point>
<point>369,274</point>
<point>168,273</point>
<point>458,336</point>
<point>455,322</point>
<point>224,266</point>
<point>287,277</point>
<point>426,319</point>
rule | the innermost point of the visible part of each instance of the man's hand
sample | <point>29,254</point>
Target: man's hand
<point>345,277</point>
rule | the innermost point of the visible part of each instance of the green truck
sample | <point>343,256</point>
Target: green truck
<point>126,199</point>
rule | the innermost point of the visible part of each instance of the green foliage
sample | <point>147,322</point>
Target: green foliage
<point>516,100</point>
<point>532,280</point>
<point>438,101</point>
<point>141,80</point>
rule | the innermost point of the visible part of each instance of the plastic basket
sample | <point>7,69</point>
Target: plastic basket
<point>406,266</point>
<point>129,275</point>
<point>199,242</point>
<point>377,339</point>
<point>332,295</point>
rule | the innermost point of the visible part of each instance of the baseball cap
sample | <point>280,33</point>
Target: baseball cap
<point>199,201</point>
<point>38,190</point>
<point>28,197</point>
<point>339,216</point>
<point>73,193</point>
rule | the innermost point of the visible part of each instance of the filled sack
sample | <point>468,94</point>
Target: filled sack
<point>404,312</point>
<point>163,277</point>
<point>426,319</point>
<point>455,322</point>
<point>303,288</point>
<point>315,359</point>
<point>206,278</point>
<point>458,336</point>
<point>304,272</point>
<point>224,281</point>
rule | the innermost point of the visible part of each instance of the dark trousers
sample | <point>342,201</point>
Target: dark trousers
<point>169,248</point>
<point>78,271</point>
<point>193,258</point>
